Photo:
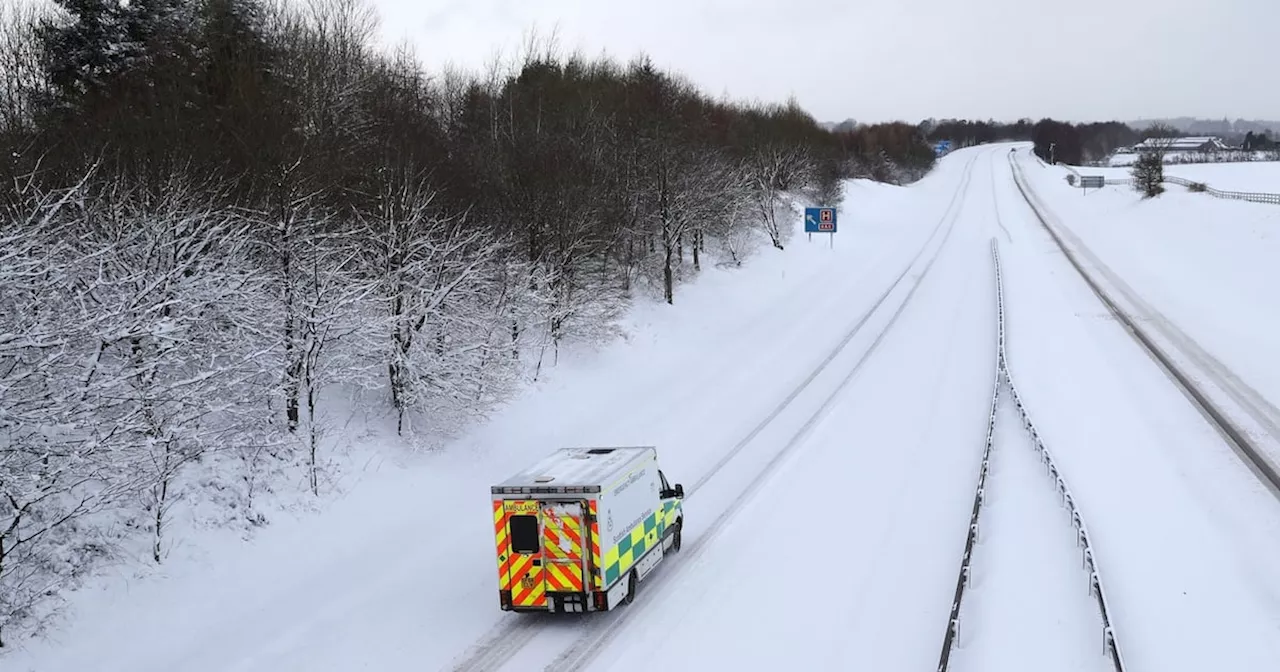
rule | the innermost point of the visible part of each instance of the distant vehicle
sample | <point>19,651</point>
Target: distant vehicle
<point>579,530</point>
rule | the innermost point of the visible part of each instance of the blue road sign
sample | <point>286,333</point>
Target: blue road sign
<point>819,220</point>
<point>942,147</point>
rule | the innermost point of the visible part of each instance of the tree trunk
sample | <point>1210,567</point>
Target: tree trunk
<point>697,240</point>
<point>311,425</point>
<point>162,501</point>
<point>631,263</point>
<point>4,537</point>
<point>291,362</point>
<point>515,340</point>
<point>400,343</point>
<point>668,290</point>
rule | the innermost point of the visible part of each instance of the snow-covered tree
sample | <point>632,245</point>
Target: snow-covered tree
<point>431,267</point>
<point>180,342</point>
<point>333,313</point>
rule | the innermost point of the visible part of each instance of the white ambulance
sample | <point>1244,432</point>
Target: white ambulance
<point>580,529</point>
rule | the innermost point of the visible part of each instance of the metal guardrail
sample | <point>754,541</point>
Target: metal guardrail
<point>1110,646</point>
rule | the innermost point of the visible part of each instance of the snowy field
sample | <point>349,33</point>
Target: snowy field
<point>1254,176</point>
<point>824,408</point>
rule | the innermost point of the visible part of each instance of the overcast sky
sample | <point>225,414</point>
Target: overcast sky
<point>874,60</point>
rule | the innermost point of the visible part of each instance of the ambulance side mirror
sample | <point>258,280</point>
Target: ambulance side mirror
<point>679,491</point>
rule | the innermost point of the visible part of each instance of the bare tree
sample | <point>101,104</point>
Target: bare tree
<point>177,352</point>
<point>59,463</point>
<point>427,262</point>
<point>19,60</point>
<point>333,314</point>
<point>774,170</point>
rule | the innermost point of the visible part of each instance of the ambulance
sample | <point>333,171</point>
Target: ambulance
<point>579,530</point>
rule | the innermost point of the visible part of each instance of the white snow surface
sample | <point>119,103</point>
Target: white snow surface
<point>829,537</point>
<point>1201,260</point>
<point>1256,176</point>
<point>1202,275</point>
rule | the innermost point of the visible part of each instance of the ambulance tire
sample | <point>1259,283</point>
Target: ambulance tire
<point>675,543</point>
<point>633,582</point>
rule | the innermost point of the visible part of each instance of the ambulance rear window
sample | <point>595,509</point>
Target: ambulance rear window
<point>524,534</point>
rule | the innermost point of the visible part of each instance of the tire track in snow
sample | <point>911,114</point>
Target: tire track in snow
<point>513,633</point>
<point>1246,398</point>
<point>949,217</point>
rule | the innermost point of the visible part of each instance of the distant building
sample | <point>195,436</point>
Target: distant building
<point>1200,143</point>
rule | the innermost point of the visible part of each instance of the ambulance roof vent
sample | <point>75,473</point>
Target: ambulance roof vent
<point>544,479</point>
<point>600,451</point>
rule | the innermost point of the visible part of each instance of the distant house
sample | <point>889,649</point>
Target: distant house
<point>1200,143</point>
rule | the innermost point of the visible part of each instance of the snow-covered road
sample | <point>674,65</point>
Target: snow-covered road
<point>843,559</point>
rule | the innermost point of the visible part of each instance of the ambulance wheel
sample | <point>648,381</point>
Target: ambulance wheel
<point>675,543</point>
<point>632,583</point>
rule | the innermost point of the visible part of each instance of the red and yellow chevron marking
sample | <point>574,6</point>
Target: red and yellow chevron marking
<point>597,568</point>
<point>527,585</point>
<point>503,543</point>
<point>562,549</point>
<point>562,537</point>
<point>563,578</point>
